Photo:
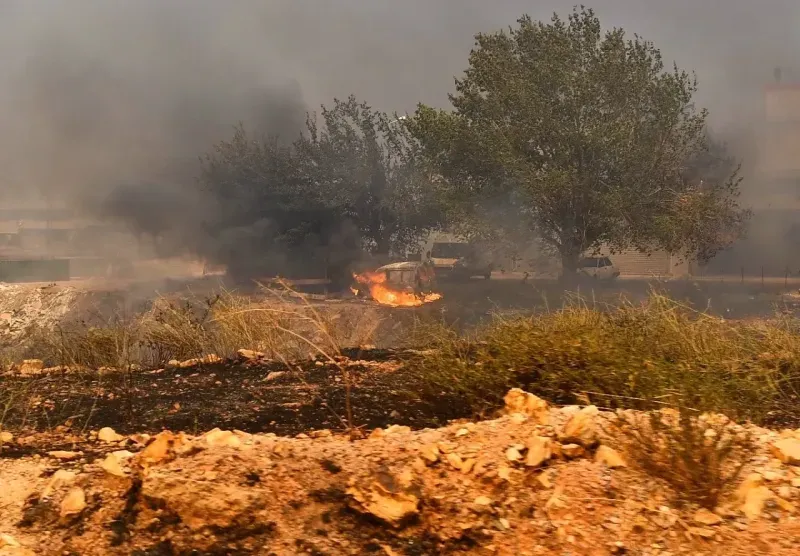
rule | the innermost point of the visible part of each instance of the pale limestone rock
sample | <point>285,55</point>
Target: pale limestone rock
<point>520,401</point>
<point>581,428</point>
<point>540,450</point>
<point>787,450</point>
<point>74,502</point>
<point>610,457</point>
<point>107,434</point>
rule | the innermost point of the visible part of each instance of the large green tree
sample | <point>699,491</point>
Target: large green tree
<point>264,215</point>
<point>350,181</point>
<point>367,164</point>
<point>583,138</point>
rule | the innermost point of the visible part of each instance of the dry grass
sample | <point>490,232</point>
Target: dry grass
<point>700,457</point>
<point>626,356</point>
<point>278,325</point>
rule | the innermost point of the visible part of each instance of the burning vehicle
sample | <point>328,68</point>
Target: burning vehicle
<point>403,284</point>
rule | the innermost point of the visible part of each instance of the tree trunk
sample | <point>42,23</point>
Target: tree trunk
<point>569,267</point>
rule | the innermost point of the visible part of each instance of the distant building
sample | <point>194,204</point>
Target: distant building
<point>772,243</point>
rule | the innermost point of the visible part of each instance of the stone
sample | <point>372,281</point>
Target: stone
<point>6,437</point>
<point>221,438</point>
<point>520,401</point>
<point>750,482</point>
<point>274,375</point>
<point>112,464</point>
<point>617,547</point>
<point>540,450</point>
<point>64,455</point>
<point>702,532</point>
<point>429,453</point>
<point>74,502</point>
<point>482,501</point>
<point>8,541</point>
<point>581,428</point>
<point>249,354</point>
<point>455,460</point>
<point>785,505</point>
<point>706,517</point>
<point>504,473</point>
<point>31,366</point>
<point>512,454</point>
<point>392,499</point>
<point>107,434</point>
<point>755,500</point>
<point>572,451</point>
<point>787,450</point>
<point>60,478</point>
<point>158,450</point>
<point>467,466</point>
<point>786,492</point>
<point>545,479</point>
<point>609,457</point>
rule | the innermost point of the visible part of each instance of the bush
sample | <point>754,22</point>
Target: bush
<point>699,456</point>
<point>626,356</point>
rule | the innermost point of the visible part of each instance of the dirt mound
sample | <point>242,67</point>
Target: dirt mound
<point>537,480</point>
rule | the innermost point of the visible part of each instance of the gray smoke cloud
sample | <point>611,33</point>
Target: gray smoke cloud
<point>94,94</point>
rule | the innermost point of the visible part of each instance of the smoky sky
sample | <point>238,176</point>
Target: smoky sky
<point>96,93</point>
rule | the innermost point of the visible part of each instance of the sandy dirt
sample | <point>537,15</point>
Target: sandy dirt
<point>466,488</point>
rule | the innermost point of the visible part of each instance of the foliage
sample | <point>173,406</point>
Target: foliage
<point>265,208</point>
<point>366,163</point>
<point>350,183</point>
<point>622,357</point>
<point>582,138</point>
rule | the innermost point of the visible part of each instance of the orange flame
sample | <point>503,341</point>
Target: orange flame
<point>386,295</point>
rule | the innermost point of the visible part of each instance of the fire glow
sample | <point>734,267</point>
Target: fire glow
<point>386,295</point>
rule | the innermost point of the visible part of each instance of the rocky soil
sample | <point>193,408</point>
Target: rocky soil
<point>535,480</point>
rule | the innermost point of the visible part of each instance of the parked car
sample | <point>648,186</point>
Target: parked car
<point>459,261</point>
<point>600,268</point>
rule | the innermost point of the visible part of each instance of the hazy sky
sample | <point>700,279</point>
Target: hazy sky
<point>93,91</point>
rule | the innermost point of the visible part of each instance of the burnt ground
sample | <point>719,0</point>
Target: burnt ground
<point>255,396</point>
<point>268,396</point>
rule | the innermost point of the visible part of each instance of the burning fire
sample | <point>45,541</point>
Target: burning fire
<point>386,295</point>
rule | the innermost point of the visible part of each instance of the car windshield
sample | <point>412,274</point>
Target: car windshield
<point>450,250</point>
<point>590,262</point>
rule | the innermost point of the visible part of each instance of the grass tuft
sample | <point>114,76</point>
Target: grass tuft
<point>700,457</point>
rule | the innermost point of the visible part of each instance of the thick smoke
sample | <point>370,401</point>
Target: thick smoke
<point>106,106</point>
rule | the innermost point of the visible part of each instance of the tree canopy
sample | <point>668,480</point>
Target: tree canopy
<point>367,165</point>
<point>583,138</point>
<point>350,183</point>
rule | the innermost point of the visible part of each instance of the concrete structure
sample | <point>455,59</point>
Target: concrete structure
<point>658,264</point>
<point>772,244</point>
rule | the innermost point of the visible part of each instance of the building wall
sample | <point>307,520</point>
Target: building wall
<point>779,138</point>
